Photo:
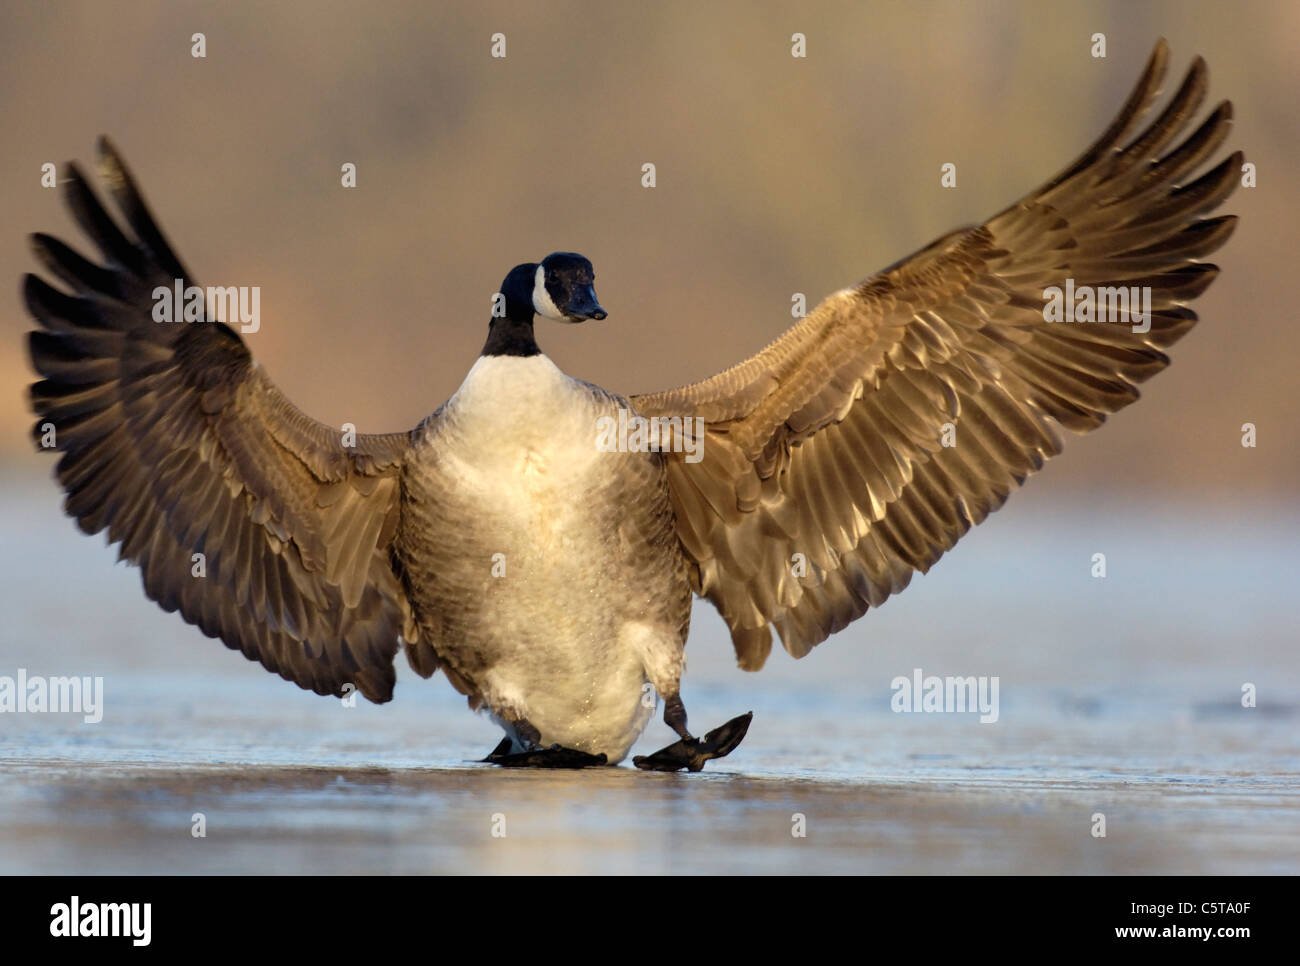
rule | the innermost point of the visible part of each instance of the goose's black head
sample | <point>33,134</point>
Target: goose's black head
<point>561,288</point>
<point>564,288</point>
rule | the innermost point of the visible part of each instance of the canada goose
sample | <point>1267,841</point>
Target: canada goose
<point>556,615</point>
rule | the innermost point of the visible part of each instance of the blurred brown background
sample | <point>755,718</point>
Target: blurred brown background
<point>775,175</point>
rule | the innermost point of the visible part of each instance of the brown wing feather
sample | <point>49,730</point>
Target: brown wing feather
<point>176,442</point>
<point>827,444</point>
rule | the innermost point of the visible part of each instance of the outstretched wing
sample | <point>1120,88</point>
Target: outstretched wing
<point>177,443</point>
<point>829,443</point>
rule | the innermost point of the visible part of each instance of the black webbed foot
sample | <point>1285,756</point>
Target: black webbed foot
<point>503,748</point>
<point>692,753</point>
<point>552,757</point>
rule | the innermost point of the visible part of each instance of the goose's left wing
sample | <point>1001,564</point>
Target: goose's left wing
<point>258,524</point>
<point>825,481</point>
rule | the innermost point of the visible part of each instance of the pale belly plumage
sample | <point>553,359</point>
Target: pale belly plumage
<point>543,571</point>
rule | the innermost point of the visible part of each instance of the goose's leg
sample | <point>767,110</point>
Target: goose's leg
<point>691,753</point>
<point>535,756</point>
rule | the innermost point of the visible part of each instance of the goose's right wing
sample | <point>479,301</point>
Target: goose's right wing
<point>825,481</point>
<point>177,443</point>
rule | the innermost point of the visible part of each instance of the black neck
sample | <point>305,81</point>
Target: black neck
<point>511,336</point>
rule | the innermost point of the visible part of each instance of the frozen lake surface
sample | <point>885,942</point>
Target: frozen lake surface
<point>1118,697</point>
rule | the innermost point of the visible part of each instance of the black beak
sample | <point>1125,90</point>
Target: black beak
<point>583,304</point>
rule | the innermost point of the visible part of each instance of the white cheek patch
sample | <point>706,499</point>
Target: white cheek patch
<point>542,303</point>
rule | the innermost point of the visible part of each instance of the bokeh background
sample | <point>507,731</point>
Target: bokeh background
<point>775,175</point>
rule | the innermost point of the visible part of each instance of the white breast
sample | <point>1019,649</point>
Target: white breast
<point>511,472</point>
<point>519,418</point>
